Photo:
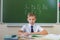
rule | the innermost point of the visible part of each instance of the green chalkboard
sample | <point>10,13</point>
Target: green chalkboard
<point>15,11</point>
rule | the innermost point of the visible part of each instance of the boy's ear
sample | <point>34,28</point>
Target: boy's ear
<point>27,19</point>
<point>35,19</point>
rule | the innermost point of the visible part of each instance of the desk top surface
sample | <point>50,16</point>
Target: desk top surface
<point>35,37</point>
<point>41,37</point>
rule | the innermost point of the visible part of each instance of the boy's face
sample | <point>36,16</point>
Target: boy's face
<point>31,19</point>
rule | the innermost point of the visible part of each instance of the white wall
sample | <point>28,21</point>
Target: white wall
<point>53,30</point>
<point>3,30</point>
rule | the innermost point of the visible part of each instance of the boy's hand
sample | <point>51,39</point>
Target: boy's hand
<point>25,34</point>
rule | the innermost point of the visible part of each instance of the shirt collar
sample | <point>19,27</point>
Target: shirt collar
<point>31,25</point>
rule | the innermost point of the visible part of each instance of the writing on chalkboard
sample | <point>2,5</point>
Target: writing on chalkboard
<point>33,8</point>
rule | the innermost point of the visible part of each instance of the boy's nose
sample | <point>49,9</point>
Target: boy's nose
<point>31,20</point>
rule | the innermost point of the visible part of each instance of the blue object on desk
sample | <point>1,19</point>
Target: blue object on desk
<point>16,38</point>
<point>12,37</point>
<point>7,37</point>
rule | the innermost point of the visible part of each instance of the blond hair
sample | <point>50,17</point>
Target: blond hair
<point>31,14</point>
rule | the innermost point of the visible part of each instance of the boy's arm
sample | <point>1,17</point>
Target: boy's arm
<point>20,32</point>
<point>43,32</point>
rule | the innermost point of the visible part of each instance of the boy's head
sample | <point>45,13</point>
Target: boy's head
<point>31,18</point>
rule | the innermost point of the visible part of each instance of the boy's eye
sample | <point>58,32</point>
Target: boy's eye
<point>29,19</point>
<point>32,19</point>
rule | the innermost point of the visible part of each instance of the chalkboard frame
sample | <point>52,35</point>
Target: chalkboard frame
<point>0,11</point>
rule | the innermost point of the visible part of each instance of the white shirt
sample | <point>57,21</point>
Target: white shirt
<point>27,28</point>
